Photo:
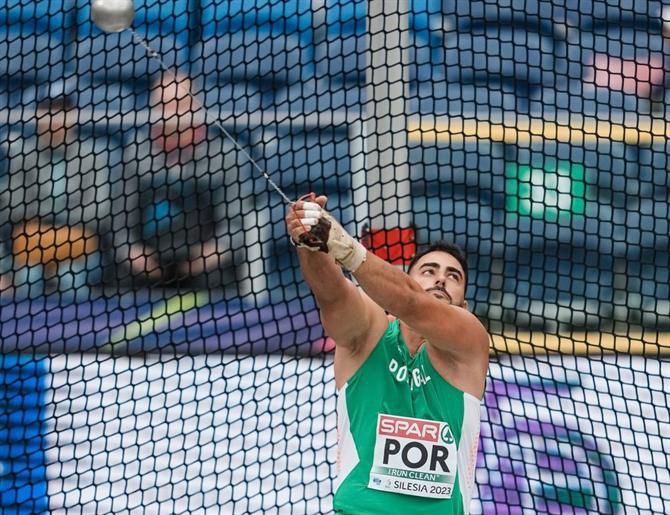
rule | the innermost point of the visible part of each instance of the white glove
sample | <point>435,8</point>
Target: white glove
<point>327,235</point>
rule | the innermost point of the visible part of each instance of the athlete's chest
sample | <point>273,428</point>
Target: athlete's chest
<point>406,372</point>
<point>412,384</point>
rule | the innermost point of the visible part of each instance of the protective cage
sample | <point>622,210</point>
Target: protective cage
<point>160,349</point>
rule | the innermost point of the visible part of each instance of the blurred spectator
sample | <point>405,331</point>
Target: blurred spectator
<point>643,75</point>
<point>640,77</point>
<point>54,201</point>
<point>184,193</point>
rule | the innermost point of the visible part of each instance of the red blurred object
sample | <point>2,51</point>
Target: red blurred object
<point>396,245</point>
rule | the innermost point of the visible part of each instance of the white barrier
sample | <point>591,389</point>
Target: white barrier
<point>257,435</point>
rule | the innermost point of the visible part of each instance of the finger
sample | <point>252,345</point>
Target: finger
<point>301,208</point>
<point>305,218</point>
<point>297,204</point>
<point>296,227</point>
<point>321,200</point>
<point>311,207</point>
<point>310,214</point>
<point>309,222</point>
<point>295,209</point>
<point>295,233</point>
<point>290,217</point>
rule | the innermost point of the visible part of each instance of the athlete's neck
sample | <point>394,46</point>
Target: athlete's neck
<point>413,340</point>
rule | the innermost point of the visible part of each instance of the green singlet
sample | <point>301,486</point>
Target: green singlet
<point>407,439</point>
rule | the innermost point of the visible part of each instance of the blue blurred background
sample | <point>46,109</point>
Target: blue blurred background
<point>563,232</point>
<point>537,140</point>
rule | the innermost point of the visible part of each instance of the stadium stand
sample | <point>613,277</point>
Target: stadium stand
<point>254,55</point>
<point>471,59</point>
<point>113,70</point>
<point>317,160</point>
<point>33,42</point>
<point>341,50</point>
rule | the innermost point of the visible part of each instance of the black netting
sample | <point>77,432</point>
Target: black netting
<point>160,348</point>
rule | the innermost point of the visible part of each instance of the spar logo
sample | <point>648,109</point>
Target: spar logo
<point>404,427</point>
<point>447,435</point>
<point>416,443</point>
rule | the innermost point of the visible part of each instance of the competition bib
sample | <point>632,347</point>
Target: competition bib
<point>414,456</point>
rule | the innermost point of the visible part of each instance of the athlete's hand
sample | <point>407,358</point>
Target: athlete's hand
<point>301,217</point>
<point>313,228</point>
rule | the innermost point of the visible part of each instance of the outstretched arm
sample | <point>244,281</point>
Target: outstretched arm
<point>449,328</point>
<point>452,329</point>
<point>348,316</point>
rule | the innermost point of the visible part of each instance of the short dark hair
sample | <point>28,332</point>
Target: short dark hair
<point>442,246</point>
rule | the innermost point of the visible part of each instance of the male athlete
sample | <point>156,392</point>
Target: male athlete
<point>409,382</point>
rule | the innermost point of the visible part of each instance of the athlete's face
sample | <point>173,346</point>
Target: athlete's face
<point>441,275</point>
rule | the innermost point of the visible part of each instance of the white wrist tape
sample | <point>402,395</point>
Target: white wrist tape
<point>327,235</point>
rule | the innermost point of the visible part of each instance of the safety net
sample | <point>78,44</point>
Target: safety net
<point>161,350</point>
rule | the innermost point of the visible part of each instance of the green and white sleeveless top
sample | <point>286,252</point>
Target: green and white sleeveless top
<point>407,439</point>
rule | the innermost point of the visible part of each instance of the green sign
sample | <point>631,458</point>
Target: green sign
<point>553,191</point>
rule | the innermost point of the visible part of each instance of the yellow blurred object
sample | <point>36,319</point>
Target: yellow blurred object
<point>35,243</point>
